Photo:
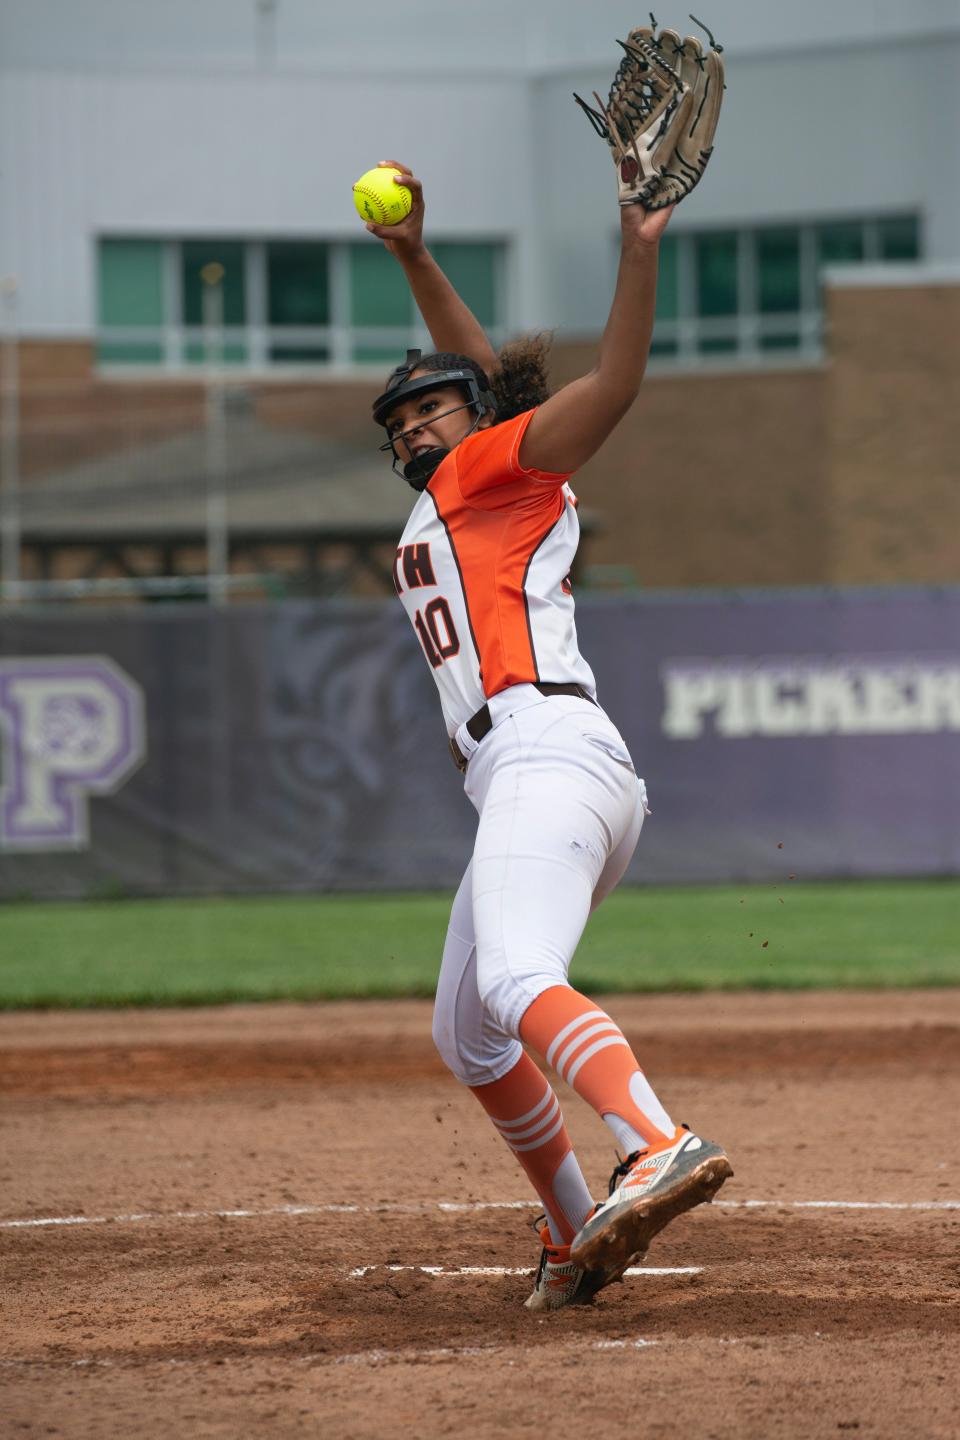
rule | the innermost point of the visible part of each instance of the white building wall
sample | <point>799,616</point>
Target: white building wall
<point>781,155</point>
<point>250,155</point>
<point>941,149</point>
<point>168,120</point>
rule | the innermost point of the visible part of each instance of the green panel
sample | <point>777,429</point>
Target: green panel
<point>378,296</point>
<point>388,354</point>
<point>840,242</point>
<point>471,268</point>
<point>716,256</point>
<point>149,352</point>
<point>899,238</point>
<point>721,345</point>
<point>662,347</point>
<point>298,291</point>
<point>299,354</point>
<point>228,253</point>
<point>780,342</point>
<point>778,270</point>
<point>130,288</point>
<point>378,289</point>
<point>234,353</point>
<point>668,280</point>
<point>130,292</point>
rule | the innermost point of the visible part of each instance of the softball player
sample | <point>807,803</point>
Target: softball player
<point>482,571</point>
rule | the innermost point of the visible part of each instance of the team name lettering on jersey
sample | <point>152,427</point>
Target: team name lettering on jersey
<point>416,565</point>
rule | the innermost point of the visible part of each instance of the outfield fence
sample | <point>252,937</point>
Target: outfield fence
<point>298,746</point>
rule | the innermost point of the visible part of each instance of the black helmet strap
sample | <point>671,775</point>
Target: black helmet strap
<point>400,387</point>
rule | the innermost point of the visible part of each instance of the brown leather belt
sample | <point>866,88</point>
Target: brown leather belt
<point>481,724</point>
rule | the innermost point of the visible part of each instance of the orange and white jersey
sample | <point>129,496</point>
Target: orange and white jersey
<point>483,572</point>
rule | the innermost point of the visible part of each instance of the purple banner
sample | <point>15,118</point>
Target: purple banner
<point>828,723</point>
<point>300,746</point>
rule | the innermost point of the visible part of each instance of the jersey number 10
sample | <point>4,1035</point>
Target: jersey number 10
<point>438,634</point>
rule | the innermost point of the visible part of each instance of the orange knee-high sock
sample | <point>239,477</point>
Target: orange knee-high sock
<point>527,1113</point>
<point>589,1051</point>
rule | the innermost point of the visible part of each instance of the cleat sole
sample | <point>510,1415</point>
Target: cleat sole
<point>626,1236</point>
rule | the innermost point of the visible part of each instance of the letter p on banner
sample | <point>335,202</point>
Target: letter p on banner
<point>71,727</point>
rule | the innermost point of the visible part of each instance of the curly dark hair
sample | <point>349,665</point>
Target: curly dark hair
<point>519,382</point>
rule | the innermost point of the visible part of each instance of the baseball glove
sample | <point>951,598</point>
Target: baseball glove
<point>661,114</point>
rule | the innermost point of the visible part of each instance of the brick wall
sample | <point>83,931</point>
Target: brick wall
<point>711,480</point>
<point>846,473</point>
<point>55,362</point>
<point>893,434</point>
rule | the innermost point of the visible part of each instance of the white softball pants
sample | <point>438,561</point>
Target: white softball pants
<point>561,809</point>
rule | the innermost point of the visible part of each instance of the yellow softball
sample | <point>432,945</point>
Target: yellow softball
<point>379,200</point>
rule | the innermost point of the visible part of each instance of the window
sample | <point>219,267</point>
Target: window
<point>899,239</point>
<point>279,302</point>
<point>837,244</point>
<point>195,256</point>
<point>778,271</point>
<point>716,274</point>
<point>668,296</point>
<point>717,287</point>
<point>298,297</point>
<point>778,284</point>
<point>379,298</point>
<point>130,295</point>
<point>472,270</point>
<point>752,291</point>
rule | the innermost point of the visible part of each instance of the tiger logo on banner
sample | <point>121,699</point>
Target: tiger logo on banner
<point>72,727</point>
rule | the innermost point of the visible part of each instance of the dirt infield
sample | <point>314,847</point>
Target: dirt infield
<point>333,1301</point>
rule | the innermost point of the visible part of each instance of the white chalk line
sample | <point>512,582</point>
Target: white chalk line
<point>321,1359</point>
<point>362,1271</point>
<point>395,1357</point>
<point>840,1204</point>
<point>623,1344</point>
<point>428,1206</point>
<point>447,1352</point>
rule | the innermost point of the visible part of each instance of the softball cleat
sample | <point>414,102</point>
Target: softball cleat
<point>559,1282</point>
<point>648,1190</point>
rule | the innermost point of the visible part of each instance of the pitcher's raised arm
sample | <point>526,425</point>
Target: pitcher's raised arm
<point>572,425</point>
<point>453,326</point>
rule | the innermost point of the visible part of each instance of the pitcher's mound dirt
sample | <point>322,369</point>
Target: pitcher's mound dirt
<point>336,1131</point>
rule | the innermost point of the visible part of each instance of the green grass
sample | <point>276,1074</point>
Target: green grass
<point>193,952</point>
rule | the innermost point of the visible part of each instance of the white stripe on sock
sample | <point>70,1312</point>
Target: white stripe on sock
<point>590,1051</point>
<point>581,1037</point>
<point>535,1144</point>
<point>559,1038</point>
<point>505,1125</point>
<point>545,1119</point>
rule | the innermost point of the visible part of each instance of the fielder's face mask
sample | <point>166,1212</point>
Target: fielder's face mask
<point>400,387</point>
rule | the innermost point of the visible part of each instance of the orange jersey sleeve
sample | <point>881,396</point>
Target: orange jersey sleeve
<point>489,470</point>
